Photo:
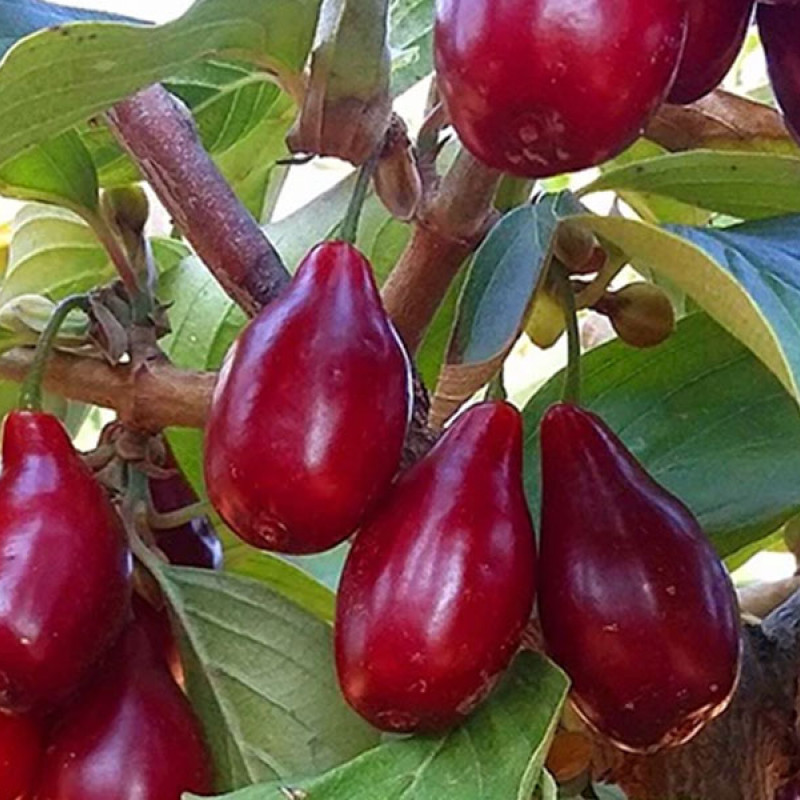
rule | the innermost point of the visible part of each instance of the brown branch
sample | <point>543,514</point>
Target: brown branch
<point>152,397</point>
<point>450,225</point>
<point>162,138</point>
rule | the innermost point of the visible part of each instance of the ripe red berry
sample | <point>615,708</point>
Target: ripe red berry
<point>64,565</point>
<point>130,736</point>
<point>309,416</point>
<point>779,28</point>
<point>633,601</point>
<point>789,791</point>
<point>439,584</point>
<point>716,33</point>
<point>194,544</point>
<point>538,88</point>
<point>20,752</point>
<point>155,623</point>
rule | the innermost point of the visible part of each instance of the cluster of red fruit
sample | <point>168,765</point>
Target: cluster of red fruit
<point>303,447</point>
<point>88,707</point>
<point>537,88</point>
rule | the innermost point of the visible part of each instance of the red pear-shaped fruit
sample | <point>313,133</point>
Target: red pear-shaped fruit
<point>20,753</point>
<point>64,565</point>
<point>194,544</point>
<point>716,33</point>
<point>538,88</point>
<point>779,28</point>
<point>439,584</point>
<point>309,416</point>
<point>633,601</point>
<point>131,735</point>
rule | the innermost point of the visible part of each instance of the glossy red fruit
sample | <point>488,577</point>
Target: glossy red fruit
<point>633,601</point>
<point>791,791</point>
<point>779,28</point>
<point>131,736</point>
<point>539,88</point>
<point>439,584</point>
<point>716,33</point>
<point>194,544</point>
<point>155,623</point>
<point>309,416</point>
<point>20,752</point>
<point>64,565</point>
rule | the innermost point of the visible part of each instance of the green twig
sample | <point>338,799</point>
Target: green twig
<point>30,396</point>
<point>348,230</point>
<point>572,377</point>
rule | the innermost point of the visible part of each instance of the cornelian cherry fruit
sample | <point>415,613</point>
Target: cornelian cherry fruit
<point>716,33</point>
<point>439,584</point>
<point>633,601</point>
<point>64,565</point>
<point>538,88</point>
<point>130,736</point>
<point>20,752</point>
<point>195,543</point>
<point>779,28</point>
<point>310,413</point>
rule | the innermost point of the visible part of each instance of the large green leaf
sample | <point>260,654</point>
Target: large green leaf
<point>498,754</point>
<point>283,577</point>
<point>20,18</point>
<point>745,185</point>
<point>261,677</point>
<point>54,253</point>
<point>704,417</point>
<point>58,171</point>
<point>747,277</point>
<point>411,39</point>
<point>57,78</point>
<point>505,273</point>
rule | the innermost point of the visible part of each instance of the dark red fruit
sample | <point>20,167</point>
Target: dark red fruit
<point>633,601</point>
<point>194,544</point>
<point>64,565</point>
<point>779,28</point>
<point>538,88</point>
<point>790,791</point>
<point>716,33</point>
<point>439,584</point>
<point>155,623</point>
<point>131,736</point>
<point>309,416</point>
<point>20,752</point>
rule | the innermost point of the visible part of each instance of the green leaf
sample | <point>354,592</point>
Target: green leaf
<point>411,41</point>
<point>704,417</point>
<point>506,271</point>
<point>58,78</point>
<point>747,277</point>
<point>260,675</point>
<point>498,754</point>
<point>58,171</point>
<point>54,253</point>
<point>744,185</point>
<point>20,18</point>
<point>291,581</point>
<point>650,206</point>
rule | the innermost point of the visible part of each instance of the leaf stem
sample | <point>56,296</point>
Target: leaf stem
<point>572,376</point>
<point>348,230</point>
<point>30,396</point>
